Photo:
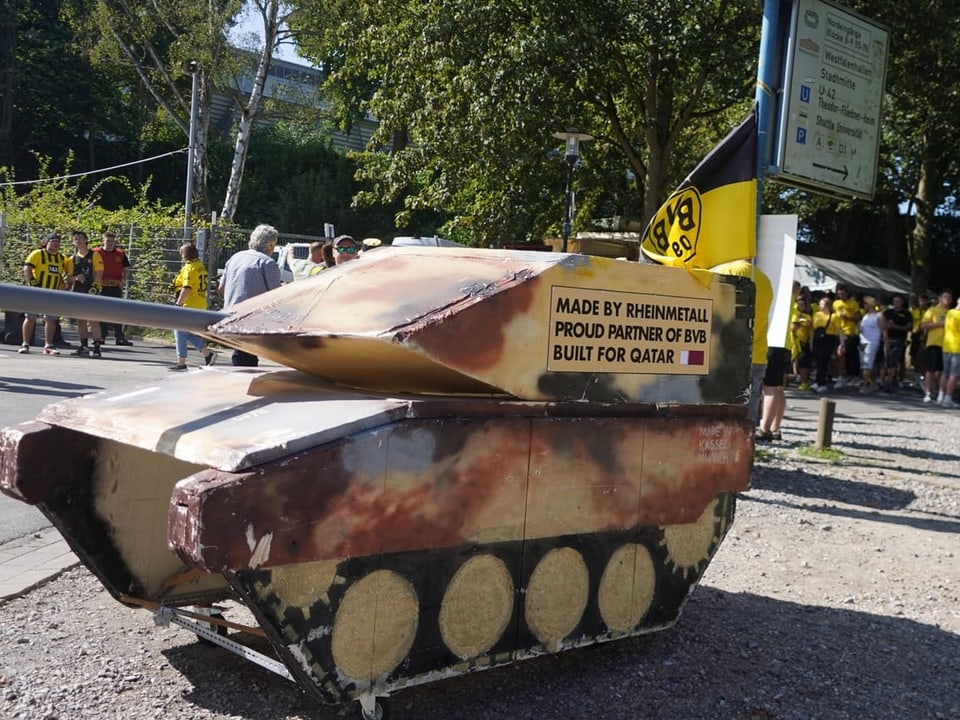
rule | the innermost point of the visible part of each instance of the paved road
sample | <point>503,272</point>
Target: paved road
<point>29,382</point>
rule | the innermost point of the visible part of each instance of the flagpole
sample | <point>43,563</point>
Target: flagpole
<point>766,93</point>
<point>767,82</point>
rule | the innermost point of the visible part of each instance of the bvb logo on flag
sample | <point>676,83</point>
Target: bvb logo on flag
<point>675,229</point>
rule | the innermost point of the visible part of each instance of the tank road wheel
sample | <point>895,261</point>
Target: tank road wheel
<point>375,625</point>
<point>690,546</point>
<point>556,596</point>
<point>627,587</point>
<point>477,606</point>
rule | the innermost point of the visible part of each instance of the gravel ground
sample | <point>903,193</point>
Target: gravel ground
<point>836,595</point>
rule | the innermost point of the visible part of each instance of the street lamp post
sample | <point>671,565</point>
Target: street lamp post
<point>572,138</point>
<point>193,66</point>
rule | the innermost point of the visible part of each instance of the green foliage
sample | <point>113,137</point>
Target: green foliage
<point>49,96</point>
<point>152,43</point>
<point>296,180</point>
<point>469,92</point>
<point>58,205</point>
<point>829,454</point>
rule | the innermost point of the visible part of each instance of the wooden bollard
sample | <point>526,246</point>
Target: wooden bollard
<point>825,423</point>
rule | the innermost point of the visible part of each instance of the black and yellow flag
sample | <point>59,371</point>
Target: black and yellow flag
<point>712,217</point>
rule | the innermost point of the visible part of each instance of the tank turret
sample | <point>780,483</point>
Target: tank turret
<point>475,457</point>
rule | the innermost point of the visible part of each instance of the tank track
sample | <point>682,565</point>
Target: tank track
<point>373,625</point>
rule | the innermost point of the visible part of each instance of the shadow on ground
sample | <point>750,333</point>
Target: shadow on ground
<point>860,500</point>
<point>810,485</point>
<point>739,656</point>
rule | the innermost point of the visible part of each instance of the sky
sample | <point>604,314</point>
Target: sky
<point>250,27</point>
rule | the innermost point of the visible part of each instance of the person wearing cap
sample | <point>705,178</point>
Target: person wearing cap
<point>46,267</point>
<point>345,248</point>
<point>116,275</point>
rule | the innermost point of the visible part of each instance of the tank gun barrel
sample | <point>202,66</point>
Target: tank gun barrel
<point>105,309</point>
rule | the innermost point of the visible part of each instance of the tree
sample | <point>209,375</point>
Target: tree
<point>918,160</point>
<point>468,93</point>
<point>158,40</point>
<point>297,179</point>
<point>272,22</point>
<point>47,93</point>
<point>922,106</point>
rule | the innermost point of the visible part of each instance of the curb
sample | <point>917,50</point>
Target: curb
<point>33,560</point>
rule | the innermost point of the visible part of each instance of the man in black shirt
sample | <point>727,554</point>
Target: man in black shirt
<point>87,278</point>
<point>898,325</point>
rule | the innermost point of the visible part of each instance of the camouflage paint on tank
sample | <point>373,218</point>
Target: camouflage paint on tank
<point>400,509</point>
<point>109,500</point>
<point>441,482</point>
<point>461,320</point>
<point>238,420</point>
<point>227,419</point>
<point>536,493</point>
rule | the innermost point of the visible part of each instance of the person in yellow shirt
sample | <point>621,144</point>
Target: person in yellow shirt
<point>848,310</point>
<point>801,326</point>
<point>932,323</point>
<point>918,307</point>
<point>827,336</point>
<point>46,267</point>
<point>190,288</point>
<point>951,357</point>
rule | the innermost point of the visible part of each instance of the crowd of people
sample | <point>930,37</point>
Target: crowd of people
<point>847,341</point>
<point>100,270</point>
<point>106,270</point>
<point>874,344</point>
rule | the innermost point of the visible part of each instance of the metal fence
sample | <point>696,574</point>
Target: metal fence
<point>153,252</point>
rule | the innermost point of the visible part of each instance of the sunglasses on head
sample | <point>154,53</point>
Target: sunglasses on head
<point>346,249</point>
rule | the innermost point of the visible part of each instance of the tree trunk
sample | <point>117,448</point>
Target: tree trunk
<point>201,175</point>
<point>655,182</point>
<point>927,199</point>
<point>248,113</point>
<point>895,235</point>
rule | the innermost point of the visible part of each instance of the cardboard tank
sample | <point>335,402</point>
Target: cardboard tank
<point>478,457</point>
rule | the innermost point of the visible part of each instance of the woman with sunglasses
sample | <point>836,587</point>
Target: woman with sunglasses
<point>345,248</point>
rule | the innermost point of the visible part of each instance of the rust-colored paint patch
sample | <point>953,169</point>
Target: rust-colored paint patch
<point>439,483</point>
<point>437,503</point>
<point>688,462</point>
<point>476,340</point>
<point>37,459</point>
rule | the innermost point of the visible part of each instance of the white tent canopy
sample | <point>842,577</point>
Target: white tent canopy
<point>823,274</point>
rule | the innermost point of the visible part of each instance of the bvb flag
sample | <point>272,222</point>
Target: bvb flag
<point>712,217</point>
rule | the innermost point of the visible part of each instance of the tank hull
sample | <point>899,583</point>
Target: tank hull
<point>479,457</point>
<point>489,530</point>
